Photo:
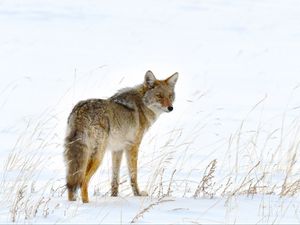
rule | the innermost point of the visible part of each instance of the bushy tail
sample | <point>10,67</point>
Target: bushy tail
<point>76,158</point>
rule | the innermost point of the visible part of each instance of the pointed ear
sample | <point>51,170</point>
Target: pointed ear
<point>172,80</point>
<point>149,79</point>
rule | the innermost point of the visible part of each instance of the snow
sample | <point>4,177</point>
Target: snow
<point>237,101</point>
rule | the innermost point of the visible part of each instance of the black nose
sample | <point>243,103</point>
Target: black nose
<point>170,108</point>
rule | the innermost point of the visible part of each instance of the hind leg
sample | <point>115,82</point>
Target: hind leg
<point>92,166</point>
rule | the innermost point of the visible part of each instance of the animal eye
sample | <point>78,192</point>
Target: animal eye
<point>159,96</point>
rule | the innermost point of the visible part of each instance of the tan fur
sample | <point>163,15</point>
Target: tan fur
<point>117,124</point>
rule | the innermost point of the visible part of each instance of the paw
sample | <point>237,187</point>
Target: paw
<point>85,200</point>
<point>114,191</point>
<point>143,193</point>
<point>114,194</point>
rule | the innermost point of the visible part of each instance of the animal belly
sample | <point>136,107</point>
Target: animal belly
<point>121,138</point>
<point>116,143</point>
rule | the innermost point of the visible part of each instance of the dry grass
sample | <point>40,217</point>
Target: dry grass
<point>22,170</point>
<point>206,186</point>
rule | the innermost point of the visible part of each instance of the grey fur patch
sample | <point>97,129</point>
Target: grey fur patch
<point>125,103</point>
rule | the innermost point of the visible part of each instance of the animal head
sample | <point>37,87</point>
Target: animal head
<point>160,95</point>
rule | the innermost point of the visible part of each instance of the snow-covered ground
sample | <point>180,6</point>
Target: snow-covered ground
<point>227,154</point>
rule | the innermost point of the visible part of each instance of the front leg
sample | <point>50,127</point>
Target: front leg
<point>132,156</point>
<point>116,162</point>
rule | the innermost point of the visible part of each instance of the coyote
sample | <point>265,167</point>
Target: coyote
<point>117,124</point>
